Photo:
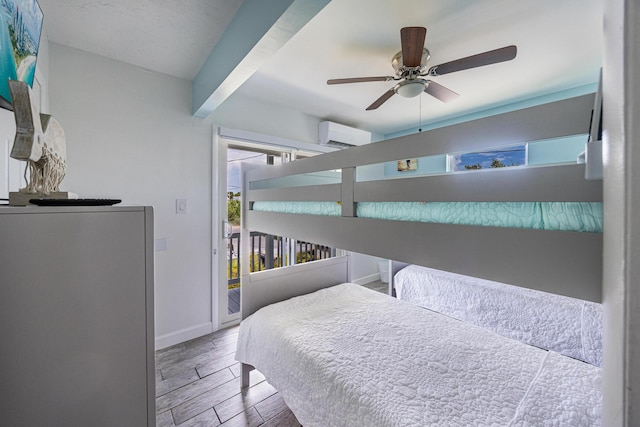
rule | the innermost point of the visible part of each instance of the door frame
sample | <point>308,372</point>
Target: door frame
<point>219,289</point>
<point>221,140</point>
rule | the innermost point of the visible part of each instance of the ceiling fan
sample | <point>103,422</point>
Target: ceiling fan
<point>411,68</point>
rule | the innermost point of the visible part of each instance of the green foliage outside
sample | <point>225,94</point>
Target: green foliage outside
<point>494,164</point>
<point>233,208</point>
<point>234,273</point>
<point>301,257</point>
<point>233,216</point>
<point>473,167</point>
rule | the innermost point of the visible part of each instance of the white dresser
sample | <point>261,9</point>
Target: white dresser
<point>76,316</point>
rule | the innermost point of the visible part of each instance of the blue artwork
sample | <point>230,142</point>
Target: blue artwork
<point>515,155</point>
<point>19,41</point>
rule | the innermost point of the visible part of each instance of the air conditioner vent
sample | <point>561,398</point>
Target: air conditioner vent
<point>337,135</point>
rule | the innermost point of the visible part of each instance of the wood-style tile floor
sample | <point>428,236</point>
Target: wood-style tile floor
<point>198,384</point>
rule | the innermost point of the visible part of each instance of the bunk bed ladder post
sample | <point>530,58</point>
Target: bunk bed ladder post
<point>347,197</point>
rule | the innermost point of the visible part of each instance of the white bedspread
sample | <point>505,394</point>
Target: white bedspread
<point>348,356</point>
<point>566,325</point>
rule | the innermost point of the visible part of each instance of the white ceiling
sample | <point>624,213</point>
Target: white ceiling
<point>559,47</point>
<point>168,36</point>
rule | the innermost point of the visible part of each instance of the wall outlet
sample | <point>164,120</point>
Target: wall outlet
<point>181,206</point>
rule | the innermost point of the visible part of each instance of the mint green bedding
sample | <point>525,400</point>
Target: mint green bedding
<point>306,208</point>
<point>568,216</point>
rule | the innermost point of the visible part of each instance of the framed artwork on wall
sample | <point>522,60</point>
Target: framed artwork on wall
<point>20,29</point>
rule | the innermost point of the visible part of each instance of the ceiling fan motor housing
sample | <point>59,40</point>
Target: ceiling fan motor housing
<point>410,72</point>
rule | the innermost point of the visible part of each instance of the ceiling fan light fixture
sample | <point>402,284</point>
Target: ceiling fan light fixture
<point>410,88</point>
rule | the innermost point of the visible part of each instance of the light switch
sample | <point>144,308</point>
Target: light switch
<point>181,206</point>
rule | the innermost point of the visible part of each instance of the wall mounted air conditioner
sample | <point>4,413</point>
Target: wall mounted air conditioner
<point>342,136</point>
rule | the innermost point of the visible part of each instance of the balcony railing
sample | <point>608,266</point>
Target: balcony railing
<point>269,252</point>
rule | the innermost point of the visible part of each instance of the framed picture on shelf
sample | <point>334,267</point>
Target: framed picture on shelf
<point>407,165</point>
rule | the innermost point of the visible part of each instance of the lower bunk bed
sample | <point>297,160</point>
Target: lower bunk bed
<point>349,356</point>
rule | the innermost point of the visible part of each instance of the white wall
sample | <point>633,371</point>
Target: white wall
<point>364,268</point>
<point>130,135</point>
<point>265,118</point>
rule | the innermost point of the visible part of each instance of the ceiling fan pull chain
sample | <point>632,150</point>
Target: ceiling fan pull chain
<point>420,128</point>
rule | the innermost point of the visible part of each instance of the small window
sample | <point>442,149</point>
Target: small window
<point>500,157</point>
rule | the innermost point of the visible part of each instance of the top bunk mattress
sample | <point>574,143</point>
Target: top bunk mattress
<point>347,355</point>
<point>564,216</point>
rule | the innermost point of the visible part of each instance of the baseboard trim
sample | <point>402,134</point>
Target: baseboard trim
<point>183,335</point>
<point>367,279</point>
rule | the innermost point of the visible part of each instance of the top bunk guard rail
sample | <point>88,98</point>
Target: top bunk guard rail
<point>554,120</point>
<point>563,262</point>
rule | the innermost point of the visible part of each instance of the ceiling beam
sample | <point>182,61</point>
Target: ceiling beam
<point>258,30</point>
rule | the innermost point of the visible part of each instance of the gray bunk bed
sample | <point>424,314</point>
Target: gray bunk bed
<point>557,259</point>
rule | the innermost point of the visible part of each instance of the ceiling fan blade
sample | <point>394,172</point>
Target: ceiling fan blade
<point>359,80</point>
<point>412,39</point>
<point>438,91</point>
<point>486,58</point>
<point>378,102</point>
